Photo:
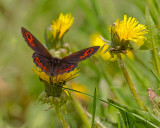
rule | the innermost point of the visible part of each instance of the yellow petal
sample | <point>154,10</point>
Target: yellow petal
<point>61,25</point>
<point>131,30</point>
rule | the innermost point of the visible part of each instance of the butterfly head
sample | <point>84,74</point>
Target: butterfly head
<point>55,60</point>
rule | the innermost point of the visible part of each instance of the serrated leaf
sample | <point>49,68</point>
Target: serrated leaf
<point>120,121</point>
<point>136,118</point>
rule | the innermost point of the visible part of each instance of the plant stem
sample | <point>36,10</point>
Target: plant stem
<point>58,111</point>
<point>156,60</point>
<point>131,86</point>
<point>155,54</point>
<point>153,34</point>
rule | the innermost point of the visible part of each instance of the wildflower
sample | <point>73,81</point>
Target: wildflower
<point>61,25</point>
<point>54,93</point>
<point>122,33</point>
<point>125,31</point>
<point>55,80</point>
<point>96,39</point>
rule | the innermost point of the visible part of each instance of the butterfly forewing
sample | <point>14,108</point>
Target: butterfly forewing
<point>34,43</point>
<point>81,55</point>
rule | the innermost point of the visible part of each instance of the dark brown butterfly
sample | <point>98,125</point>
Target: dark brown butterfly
<point>55,66</point>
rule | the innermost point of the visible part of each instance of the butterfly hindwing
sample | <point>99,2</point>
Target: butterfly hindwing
<point>81,55</point>
<point>54,66</point>
<point>64,67</point>
<point>43,62</point>
<point>34,43</point>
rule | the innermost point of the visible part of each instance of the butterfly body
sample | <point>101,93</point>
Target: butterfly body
<point>55,66</point>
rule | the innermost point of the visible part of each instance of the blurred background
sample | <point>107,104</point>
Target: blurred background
<point>19,85</point>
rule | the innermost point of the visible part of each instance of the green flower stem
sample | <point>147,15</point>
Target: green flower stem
<point>151,27</point>
<point>131,86</point>
<point>156,60</point>
<point>81,112</point>
<point>155,55</point>
<point>58,111</point>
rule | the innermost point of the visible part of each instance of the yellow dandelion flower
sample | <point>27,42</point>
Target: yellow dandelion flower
<point>129,54</point>
<point>54,93</point>
<point>61,25</point>
<point>96,40</point>
<point>58,79</point>
<point>130,30</point>
<point>81,88</point>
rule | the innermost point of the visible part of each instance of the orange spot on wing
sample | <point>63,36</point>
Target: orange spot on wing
<point>37,60</point>
<point>45,68</point>
<point>60,71</point>
<point>30,39</point>
<point>66,69</point>
<point>81,57</point>
<point>39,63</point>
<point>89,51</point>
<point>70,67</point>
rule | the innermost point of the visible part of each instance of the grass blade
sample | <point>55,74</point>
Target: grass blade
<point>94,109</point>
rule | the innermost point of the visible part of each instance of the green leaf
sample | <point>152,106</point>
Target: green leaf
<point>154,41</point>
<point>155,74</point>
<point>153,6</point>
<point>94,108</point>
<point>136,118</point>
<point>153,33</point>
<point>120,121</point>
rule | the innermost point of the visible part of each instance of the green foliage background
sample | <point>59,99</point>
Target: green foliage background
<point>20,87</point>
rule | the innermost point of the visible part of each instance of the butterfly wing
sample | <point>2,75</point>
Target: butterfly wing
<point>41,57</point>
<point>43,62</point>
<point>81,55</point>
<point>34,43</point>
<point>52,66</point>
<point>64,67</point>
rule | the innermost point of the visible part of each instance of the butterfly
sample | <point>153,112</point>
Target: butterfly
<point>55,66</point>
